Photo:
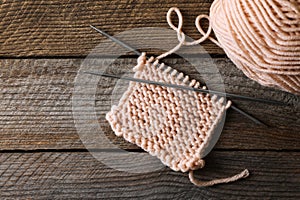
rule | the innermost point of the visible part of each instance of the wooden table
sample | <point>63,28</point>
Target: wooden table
<point>43,44</point>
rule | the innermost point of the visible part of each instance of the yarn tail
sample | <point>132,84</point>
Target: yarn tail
<point>236,177</point>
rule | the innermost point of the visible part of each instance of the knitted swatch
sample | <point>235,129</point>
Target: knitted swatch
<point>172,124</point>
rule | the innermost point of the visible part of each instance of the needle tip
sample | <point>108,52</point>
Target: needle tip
<point>85,72</point>
<point>96,29</point>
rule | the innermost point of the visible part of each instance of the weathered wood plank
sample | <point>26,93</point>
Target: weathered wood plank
<point>61,28</point>
<point>79,175</point>
<point>36,106</point>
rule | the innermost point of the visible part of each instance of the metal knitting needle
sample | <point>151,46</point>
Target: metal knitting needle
<point>139,53</point>
<point>222,94</point>
<point>117,41</point>
<point>177,87</point>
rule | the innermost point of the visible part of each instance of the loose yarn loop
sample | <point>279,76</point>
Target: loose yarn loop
<point>181,35</point>
<point>262,38</point>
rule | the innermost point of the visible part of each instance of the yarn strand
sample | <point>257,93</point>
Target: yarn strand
<point>199,183</point>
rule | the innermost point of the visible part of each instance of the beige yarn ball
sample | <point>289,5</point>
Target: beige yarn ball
<point>262,38</point>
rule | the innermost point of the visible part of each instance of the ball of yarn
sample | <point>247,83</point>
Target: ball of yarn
<point>262,37</point>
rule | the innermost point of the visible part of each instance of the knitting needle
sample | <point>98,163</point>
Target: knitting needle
<point>185,88</point>
<point>177,87</point>
<point>139,53</point>
<point>248,115</point>
<point>116,40</point>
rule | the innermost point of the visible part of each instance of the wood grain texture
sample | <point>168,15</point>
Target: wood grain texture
<point>36,106</point>
<point>79,175</point>
<point>61,27</point>
<point>41,152</point>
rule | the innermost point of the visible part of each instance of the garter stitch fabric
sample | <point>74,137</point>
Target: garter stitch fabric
<point>262,38</point>
<point>172,124</point>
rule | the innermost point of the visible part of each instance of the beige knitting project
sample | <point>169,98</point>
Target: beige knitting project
<point>175,125</point>
<point>172,124</point>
